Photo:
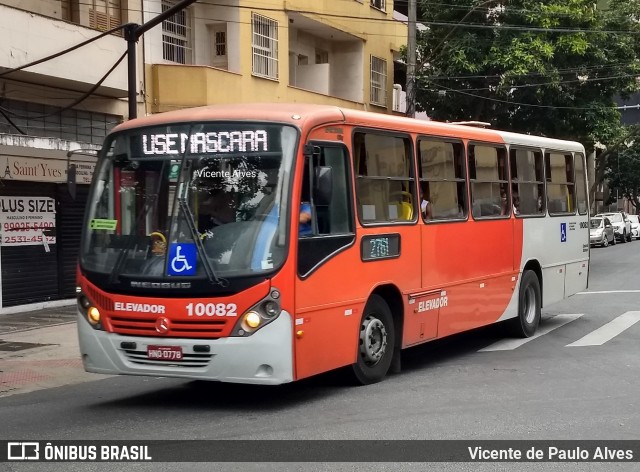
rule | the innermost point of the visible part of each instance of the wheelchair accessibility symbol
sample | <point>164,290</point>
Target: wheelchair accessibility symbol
<point>182,259</point>
<point>563,232</point>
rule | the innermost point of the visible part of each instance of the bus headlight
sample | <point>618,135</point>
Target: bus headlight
<point>93,315</point>
<point>271,308</point>
<point>84,302</point>
<point>90,312</point>
<point>259,315</point>
<point>251,321</point>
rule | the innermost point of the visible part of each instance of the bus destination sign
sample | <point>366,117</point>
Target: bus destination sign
<point>161,144</point>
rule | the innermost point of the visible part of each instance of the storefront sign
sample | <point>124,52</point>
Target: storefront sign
<point>27,221</point>
<point>43,170</point>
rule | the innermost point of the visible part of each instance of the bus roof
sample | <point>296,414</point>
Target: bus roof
<point>299,114</point>
<point>539,141</point>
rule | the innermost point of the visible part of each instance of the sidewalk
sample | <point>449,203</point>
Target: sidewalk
<point>39,349</point>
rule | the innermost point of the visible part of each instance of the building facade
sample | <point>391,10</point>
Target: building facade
<point>57,112</point>
<point>67,103</point>
<point>338,52</point>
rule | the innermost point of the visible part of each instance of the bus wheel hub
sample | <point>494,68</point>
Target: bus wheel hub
<point>373,340</point>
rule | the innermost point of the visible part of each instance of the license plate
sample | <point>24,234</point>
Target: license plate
<point>164,353</point>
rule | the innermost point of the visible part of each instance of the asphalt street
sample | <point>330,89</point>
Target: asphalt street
<point>578,380</point>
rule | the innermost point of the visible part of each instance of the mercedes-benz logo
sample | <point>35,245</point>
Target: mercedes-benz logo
<point>162,325</point>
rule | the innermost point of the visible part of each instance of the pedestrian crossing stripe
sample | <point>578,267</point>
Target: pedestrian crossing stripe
<point>548,325</point>
<point>608,331</point>
<point>597,337</point>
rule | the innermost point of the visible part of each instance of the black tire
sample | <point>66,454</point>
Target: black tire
<point>614,242</point>
<point>529,307</point>
<point>605,241</point>
<point>376,343</point>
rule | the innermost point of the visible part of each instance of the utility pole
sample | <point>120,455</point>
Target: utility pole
<point>411,61</point>
<point>132,33</point>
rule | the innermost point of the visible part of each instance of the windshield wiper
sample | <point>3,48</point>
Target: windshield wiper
<point>208,268</point>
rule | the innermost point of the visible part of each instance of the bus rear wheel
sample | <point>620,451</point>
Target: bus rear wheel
<point>529,306</point>
<point>376,342</point>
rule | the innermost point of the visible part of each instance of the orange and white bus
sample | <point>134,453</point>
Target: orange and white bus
<point>268,243</point>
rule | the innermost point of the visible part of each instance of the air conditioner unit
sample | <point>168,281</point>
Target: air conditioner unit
<point>399,99</point>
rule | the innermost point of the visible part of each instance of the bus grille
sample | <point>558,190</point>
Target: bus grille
<point>188,360</point>
<point>212,328</point>
<point>102,301</point>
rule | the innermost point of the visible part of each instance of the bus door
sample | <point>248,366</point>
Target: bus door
<point>326,321</point>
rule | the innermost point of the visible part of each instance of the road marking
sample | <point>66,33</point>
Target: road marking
<point>608,331</point>
<point>608,291</point>
<point>548,325</point>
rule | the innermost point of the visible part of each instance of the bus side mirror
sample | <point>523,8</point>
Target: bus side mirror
<point>323,185</point>
<point>71,180</point>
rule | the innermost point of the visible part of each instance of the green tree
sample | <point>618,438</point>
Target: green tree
<point>545,67</point>
<point>623,171</point>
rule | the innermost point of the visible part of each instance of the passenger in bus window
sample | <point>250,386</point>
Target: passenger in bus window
<point>504,204</point>
<point>305,228</point>
<point>425,204</point>
<point>516,203</point>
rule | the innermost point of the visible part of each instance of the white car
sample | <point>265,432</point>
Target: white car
<point>621,225</point>
<point>635,226</point>
<point>601,232</point>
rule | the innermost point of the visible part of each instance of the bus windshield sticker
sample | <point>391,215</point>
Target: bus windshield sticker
<point>182,259</point>
<point>108,225</point>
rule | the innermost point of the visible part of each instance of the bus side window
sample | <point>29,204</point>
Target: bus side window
<point>489,183</point>
<point>581,185</point>
<point>332,218</point>
<point>385,188</point>
<point>441,176</point>
<point>527,177</point>
<point>560,183</point>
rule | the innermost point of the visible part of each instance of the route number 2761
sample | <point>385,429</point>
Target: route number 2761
<point>211,309</point>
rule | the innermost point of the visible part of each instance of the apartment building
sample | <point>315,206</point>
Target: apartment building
<point>329,52</point>
<point>46,110</point>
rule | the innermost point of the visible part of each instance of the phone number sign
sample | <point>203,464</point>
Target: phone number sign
<point>27,221</point>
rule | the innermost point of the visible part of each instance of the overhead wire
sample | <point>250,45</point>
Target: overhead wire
<point>76,101</point>
<point>621,107</point>
<point>350,17</point>
<point>381,19</point>
<point>61,53</point>
<point>8,118</point>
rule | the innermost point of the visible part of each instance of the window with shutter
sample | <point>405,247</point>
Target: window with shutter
<point>105,14</point>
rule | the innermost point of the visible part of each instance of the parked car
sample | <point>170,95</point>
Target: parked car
<point>601,232</point>
<point>635,226</point>
<point>621,225</point>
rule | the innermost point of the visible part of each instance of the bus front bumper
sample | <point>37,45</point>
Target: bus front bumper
<point>265,357</point>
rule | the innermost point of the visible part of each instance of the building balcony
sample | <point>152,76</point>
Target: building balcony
<point>325,59</point>
<point>26,37</point>
<point>176,86</point>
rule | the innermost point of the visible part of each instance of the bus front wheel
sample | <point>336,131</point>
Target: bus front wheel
<point>529,306</point>
<point>376,342</point>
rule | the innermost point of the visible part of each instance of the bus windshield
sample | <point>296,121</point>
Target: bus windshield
<point>198,200</point>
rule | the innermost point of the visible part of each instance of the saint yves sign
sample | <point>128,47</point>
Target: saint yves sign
<point>42,170</point>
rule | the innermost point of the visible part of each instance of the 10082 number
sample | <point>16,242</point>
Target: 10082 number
<point>212,309</point>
